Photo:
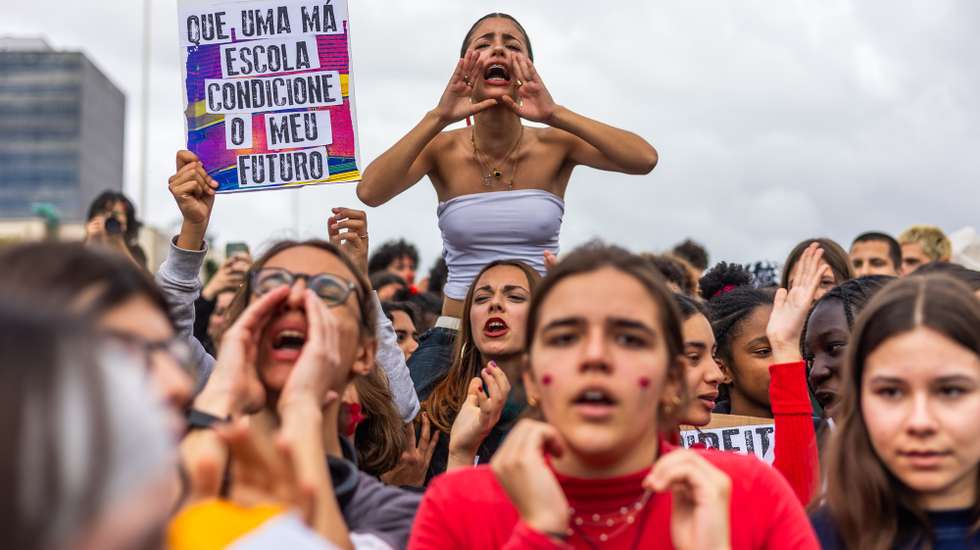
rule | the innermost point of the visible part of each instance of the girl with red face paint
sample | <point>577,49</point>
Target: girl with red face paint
<point>596,473</point>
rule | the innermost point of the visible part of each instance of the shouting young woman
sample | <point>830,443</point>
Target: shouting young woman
<point>500,183</point>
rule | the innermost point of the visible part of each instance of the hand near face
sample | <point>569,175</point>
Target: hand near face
<point>701,499</point>
<point>456,102</point>
<point>234,386</point>
<point>534,102</point>
<point>790,308</point>
<point>264,473</point>
<point>231,274</point>
<point>317,371</point>
<point>532,487</point>
<point>414,463</point>
<point>480,412</point>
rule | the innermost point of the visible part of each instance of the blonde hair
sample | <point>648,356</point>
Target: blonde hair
<point>934,242</point>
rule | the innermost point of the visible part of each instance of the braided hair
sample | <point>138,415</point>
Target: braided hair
<point>731,300</point>
<point>853,295</point>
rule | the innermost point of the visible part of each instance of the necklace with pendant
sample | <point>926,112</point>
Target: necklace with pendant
<point>495,174</point>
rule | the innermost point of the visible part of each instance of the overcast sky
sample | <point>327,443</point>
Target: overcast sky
<point>775,121</point>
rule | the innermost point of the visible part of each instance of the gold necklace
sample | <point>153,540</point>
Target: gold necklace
<point>495,173</point>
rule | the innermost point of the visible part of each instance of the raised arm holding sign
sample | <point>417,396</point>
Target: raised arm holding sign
<point>268,92</point>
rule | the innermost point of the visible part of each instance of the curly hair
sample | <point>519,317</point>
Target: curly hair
<point>390,251</point>
<point>731,299</point>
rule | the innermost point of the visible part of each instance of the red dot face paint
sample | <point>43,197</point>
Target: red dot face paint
<point>546,380</point>
<point>644,382</point>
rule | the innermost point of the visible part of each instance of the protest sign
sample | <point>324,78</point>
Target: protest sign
<point>269,97</point>
<point>729,432</point>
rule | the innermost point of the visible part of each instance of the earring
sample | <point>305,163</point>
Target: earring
<point>532,401</point>
<point>669,406</point>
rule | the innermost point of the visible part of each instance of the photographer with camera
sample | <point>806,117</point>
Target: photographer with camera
<point>112,224</point>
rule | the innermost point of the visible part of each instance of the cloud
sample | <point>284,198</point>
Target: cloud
<point>775,121</point>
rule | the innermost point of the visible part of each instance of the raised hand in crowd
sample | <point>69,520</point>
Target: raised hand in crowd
<point>231,275</point>
<point>194,191</point>
<point>699,517</point>
<point>478,414</point>
<point>414,463</point>
<point>348,231</point>
<point>790,308</point>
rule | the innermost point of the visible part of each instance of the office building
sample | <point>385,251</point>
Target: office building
<point>61,130</point>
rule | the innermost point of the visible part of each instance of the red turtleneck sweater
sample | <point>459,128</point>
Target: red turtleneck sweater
<point>468,509</point>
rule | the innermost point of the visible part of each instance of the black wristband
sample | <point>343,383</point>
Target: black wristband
<point>200,420</point>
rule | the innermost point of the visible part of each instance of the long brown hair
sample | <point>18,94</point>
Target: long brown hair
<point>870,507</point>
<point>380,438</point>
<point>595,256</point>
<point>447,397</point>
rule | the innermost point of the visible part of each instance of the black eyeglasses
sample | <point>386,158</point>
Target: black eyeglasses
<point>332,289</point>
<point>176,348</point>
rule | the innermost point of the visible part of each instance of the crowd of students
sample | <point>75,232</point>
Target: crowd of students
<point>320,396</point>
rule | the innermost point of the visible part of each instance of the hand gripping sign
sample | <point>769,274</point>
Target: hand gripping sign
<point>269,97</point>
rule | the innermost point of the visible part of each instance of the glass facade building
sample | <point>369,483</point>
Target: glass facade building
<point>61,130</point>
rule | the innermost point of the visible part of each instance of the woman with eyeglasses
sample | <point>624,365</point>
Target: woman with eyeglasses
<point>117,298</point>
<point>304,327</point>
<point>87,462</point>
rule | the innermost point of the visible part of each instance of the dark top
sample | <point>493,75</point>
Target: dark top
<point>203,309</point>
<point>370,507</point>
<point>951,529</point>
<point>515,406</point>
<point>430,362</point>
<point>429,365</point>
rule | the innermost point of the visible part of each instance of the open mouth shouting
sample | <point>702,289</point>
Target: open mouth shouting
<point>496,75</point>
<point>495,327</point>
<point>287,341</point>
<point>595,403</point>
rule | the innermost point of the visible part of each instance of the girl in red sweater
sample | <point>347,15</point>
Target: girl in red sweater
<point>604,366</point>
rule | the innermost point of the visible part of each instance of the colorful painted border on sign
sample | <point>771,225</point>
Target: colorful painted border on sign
<point>264,110</point>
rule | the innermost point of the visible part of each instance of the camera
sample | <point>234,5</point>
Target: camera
<point>113,226</point>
